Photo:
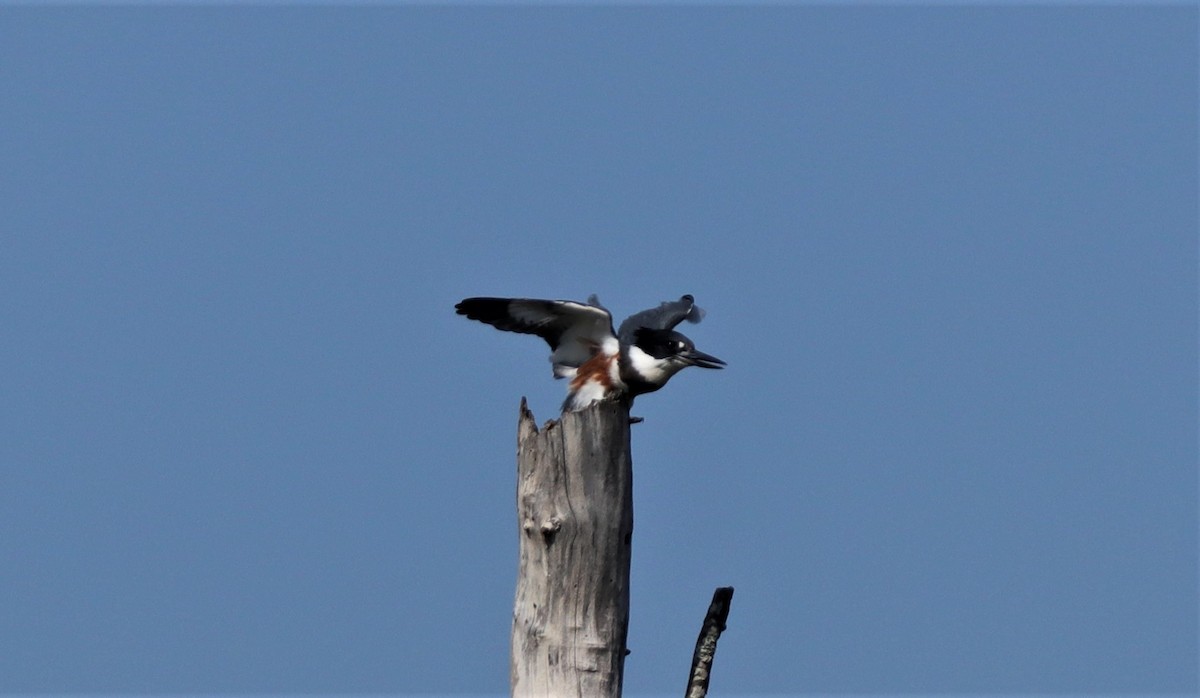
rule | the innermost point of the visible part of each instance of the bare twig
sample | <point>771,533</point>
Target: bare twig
<point>706,644</point>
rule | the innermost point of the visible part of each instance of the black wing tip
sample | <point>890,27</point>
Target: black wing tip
<point>482,307</point>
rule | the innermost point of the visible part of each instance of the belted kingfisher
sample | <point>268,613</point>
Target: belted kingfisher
<point>639,358</point>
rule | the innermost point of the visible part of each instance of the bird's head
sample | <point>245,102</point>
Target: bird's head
<point>672,351</point>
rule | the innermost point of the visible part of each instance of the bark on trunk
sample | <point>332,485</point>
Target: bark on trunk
<point>575,519</point>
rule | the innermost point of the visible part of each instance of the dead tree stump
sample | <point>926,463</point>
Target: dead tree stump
<point>575,519</point>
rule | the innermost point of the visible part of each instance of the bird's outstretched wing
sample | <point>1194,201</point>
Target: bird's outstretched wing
<point>666,316</point>
<point>574,331</point>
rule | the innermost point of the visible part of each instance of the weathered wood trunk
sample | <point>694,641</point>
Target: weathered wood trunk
<point>575,519</point>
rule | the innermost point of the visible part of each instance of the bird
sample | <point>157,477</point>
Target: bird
<point>639,358</point>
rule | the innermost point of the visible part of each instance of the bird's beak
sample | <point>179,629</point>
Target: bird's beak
<point>699,358</point>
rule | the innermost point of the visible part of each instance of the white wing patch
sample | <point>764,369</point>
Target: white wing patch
<point>585,329</point>
<point>578,345</point>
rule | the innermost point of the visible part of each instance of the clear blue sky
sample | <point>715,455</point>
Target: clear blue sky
<point>950,254</point>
